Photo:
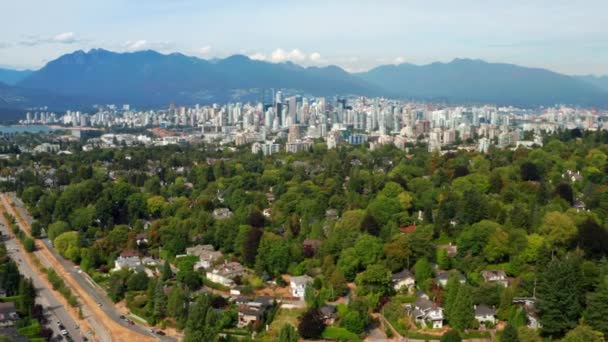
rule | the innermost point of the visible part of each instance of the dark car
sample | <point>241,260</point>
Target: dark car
<point>161,333</point>
<point>122,317</point>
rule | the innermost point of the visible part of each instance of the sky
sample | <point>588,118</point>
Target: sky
<point>565,36</point>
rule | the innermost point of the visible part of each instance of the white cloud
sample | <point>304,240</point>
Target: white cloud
<point>279,55</point>
<point>399,60</point>
<point>135,45</point>
<point>60,38</point>
<point>258,56</point>
<point>205,50</point>
<point>315,57</point>
<point>65,38</point>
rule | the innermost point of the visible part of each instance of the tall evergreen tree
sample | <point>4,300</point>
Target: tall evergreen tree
<point>160,301</point>
<point>288,333</point>
<point>509,334</point>
<point>559,296</point>
<point>596,314</point>
<point>451,293</point>
<point>167,273</point>
<point>462,310</point>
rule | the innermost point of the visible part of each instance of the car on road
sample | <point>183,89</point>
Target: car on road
<point>130,322</point>
<point>122,317</point>
<point>160,333</point>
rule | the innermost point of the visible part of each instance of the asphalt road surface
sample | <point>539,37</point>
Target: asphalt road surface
<point>54,310</point>
<point>85,282</point>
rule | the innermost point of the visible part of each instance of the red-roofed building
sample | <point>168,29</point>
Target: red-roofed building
<point>408,229</point>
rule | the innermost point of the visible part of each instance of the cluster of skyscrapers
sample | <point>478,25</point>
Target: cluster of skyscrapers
<point>293,123</point>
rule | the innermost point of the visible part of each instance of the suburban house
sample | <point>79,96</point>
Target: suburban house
<point>441,277</point>
<point>451,249</point>
<point>579,205</point>
<point>141,239</point>
<point>572,176</point>
<point>225,274</point>
<point>484,313</point>
<point>207,255</point>
<point>425,312</point>
<point>8,314</point>
<point>222,213</point>
<point>496,277</point>
<point>251,312</point>
<point>408,229</point>
<point>404,280</point>
<point>131,260</point>
<point>529,306</point>
<point>298,285</point>
<point>127,259</point>
<point>328,313</point>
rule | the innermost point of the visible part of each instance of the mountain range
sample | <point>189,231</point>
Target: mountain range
<point>11,77</point>
<point>151,79</point>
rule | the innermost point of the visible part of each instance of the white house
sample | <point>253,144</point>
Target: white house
<point>426,313</point>
<point>298,285</point>
<point>207,255</point>
<point>496,277</point>
<point>484,313</point>
<point>441,277</point>
<point>127,259</point>
<point>404,280</point>
<point>225,273</point>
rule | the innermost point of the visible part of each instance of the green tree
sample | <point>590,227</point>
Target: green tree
<point>177,305</point>
<point>376,279</point>
<point>597,308</point>
<point>559,296</point>
<point>423,271</point>
<point>451,294</point>
<point>558,229</point>
<point>57,228</point>
<point>451,336</point>
<point>160,301</point>
<point>583,333</point>
<point>29,244</point>
<point>443,260</point>
<point>353,322</point>
<point>273,255</point>
<point>167,272</point>
<point>509,334</point>
<point>288,333</point>
<point>368,249</point>
<point>462,312</point>
<point>138,281</point>
<point>66,241</point>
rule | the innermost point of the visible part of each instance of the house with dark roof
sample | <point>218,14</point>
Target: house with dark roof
<point>484,313</point>
<point>441,277</point>
<point>252,312</point>
<point>528,304</point>
<point>426,312</point>
<point>8,314</point>
<point>404,280</point>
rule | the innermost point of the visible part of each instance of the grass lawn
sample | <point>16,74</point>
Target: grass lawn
<point>340,334</point>
<point>283,316</point>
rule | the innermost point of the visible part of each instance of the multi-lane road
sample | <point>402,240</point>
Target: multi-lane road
<point>85,282</point>
<point>54,310</point>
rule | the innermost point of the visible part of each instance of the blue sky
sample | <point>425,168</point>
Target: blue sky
<point>564,36</point>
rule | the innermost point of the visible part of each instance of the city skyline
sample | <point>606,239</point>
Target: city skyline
<point>356,36</point>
